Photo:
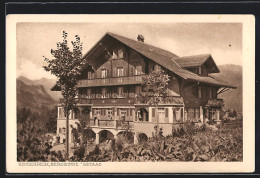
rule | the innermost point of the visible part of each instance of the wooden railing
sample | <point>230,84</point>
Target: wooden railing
<point>88,100</point>
<point>126,80</point>
<point>117,124</point>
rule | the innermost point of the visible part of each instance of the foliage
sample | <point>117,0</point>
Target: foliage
<point>155,88</point>
<point>32,145</point>
<point>81,131</point>
<point>188,143</point>
<point>66,66</point>
<point>46,118</point>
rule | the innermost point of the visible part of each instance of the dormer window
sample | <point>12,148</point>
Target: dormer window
<point>114,56</point>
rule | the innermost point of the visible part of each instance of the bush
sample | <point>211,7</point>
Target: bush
<point>32,144</point>
<point>188,143</point>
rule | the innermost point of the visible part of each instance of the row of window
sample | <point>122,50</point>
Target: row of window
<point>111,111</point>
<point>108,92</point>
<point>207,92</point>
<point>194,113</point>
<point>117,72</point>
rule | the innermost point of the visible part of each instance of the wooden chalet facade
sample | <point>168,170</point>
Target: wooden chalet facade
<point>112,78</point>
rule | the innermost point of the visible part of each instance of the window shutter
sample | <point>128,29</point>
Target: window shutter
<point>127,112</point>
<point>166,112</point>
<point>153,112</point>
<point>124,73</point>
<point>114,72</point>
<point>117,111</point>
<point>132,70</point>
<point>131,112</point>
<point>108,74</point>
<point>113,111</point>
<point>59,130</point>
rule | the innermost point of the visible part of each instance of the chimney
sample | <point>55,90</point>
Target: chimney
<point>140,38</point>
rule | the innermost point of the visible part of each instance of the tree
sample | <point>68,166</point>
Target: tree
<point>155,90</point>
<point>66,66</point>
<point>32,145</point>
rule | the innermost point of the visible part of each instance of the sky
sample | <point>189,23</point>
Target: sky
<point>35,40</point>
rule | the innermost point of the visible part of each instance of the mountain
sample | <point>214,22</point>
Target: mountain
<point>47,83</point>
<point>233,74</point>
<point>34,97</point>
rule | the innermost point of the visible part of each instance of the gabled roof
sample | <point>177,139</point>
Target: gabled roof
<point>196,61</point>
<point>143,47</point>
<point>166,59</point>
<point>169,60</point>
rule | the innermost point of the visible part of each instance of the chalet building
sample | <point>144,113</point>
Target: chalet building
<point>113,76</point>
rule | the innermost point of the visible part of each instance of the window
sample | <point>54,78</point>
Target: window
<point>61,113</point>
<point>88,92</point>
<point>98,111</point>
<point>103,73</point>
<point>120,91</point>
<point>120,53</point>
<point>212,112</point>
<point>120,71</point>
<point>138,70</point>
<point>153,112</point>
<point>138,89</point>
<point>114,56</point>
<point>190,114</point>
<point>109,112</point>
<point>199,92</point>
<point>103,92</point>
<point>89,75</point>
<point>122,112</point>
<point>156,67</point>
<point>161,115</point>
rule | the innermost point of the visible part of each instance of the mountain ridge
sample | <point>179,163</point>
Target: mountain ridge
<point>47,83</point>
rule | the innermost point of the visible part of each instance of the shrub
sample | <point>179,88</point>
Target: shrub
<point>32,144</point>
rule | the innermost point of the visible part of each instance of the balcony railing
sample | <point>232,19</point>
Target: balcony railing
<point>117,124</point>
<point>88,100</point>
<point>126,80</point>
<point>215,102</point>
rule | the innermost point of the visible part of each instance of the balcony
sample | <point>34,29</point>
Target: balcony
<point>126,98</point>
<point>215,102</point>
<point>114,124</point>
<point>138,79</point>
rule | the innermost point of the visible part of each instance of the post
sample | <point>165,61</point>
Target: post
<point>90,113</point>
<point>135,138</point>
<point>157,119</point>
<point>97,138</point>
<point>201,114</point>
<point>67,134</point>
